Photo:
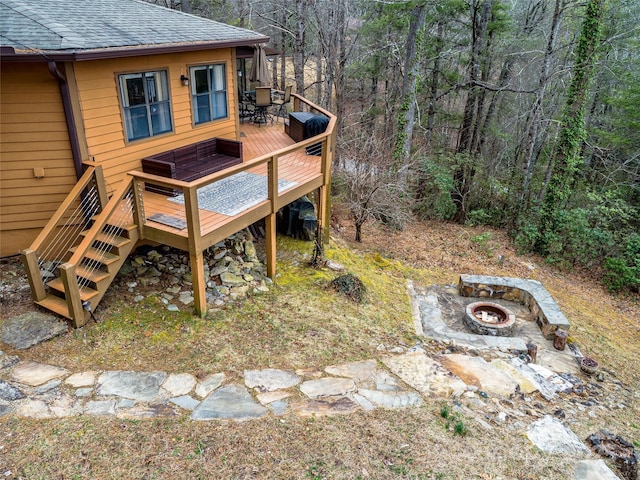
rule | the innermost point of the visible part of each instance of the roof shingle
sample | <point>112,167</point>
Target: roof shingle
<point>79,25</point>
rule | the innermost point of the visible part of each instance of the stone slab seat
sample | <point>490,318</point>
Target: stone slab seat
<point>193,161</point>
<point>530,293</point>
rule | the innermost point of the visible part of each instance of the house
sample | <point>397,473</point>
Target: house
<point>88,89</point>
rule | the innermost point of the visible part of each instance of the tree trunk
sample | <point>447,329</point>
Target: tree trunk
<point>435,76</point>
<point>299,45</point>
<point>567,160</point>
<point>530,151</point>
<point>409,102</point>
<point>463,176</point>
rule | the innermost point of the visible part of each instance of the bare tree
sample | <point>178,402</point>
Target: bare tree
<point>368,188</point>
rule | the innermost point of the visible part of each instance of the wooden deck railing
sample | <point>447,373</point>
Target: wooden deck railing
<point>86,198</point>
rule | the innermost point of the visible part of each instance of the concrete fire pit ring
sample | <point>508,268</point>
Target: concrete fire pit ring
<point>489,318</point>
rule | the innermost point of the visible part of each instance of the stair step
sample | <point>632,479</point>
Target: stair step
<point>86,293</point>
<point>92,274</point>
<point>111,228</point>
<point>97,255</point>
<point>55,304</point>
<point>113,240</point>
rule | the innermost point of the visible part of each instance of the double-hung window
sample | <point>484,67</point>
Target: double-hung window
<point>209,92</point>
<point>145,101</point>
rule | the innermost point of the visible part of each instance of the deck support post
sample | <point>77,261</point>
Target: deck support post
<point>323,212</point>
<point>270,220</point>
<point>270,230</point>
<point>138,206</point>
<point>196,257</point>
<point>199,285</point>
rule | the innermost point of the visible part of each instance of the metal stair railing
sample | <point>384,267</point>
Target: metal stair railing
<point>63,231</point>
<point>120,210</point>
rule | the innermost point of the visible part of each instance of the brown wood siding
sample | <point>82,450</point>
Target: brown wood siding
<point>33,134</point>
<point>99,96</point>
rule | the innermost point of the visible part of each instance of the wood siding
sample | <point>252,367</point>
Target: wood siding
<point>99,96</point>
<point>33,135</point>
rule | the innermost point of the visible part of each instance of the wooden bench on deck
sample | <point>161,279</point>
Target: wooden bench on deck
<point>193,161</point>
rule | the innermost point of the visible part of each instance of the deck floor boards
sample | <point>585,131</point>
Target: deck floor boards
<point>257,141</point>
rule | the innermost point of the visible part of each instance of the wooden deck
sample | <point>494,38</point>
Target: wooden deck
<point>274,172</point>
<point>301,172</point>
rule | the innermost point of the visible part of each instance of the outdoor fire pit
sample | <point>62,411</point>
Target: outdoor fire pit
<point>488,318</point>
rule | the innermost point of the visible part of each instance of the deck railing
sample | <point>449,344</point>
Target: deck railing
<point>186,209</point>
<point>52,246</point>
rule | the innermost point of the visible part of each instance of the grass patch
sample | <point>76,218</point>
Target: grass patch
<point>299,323</point>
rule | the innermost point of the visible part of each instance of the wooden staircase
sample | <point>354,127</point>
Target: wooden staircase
<point>90,258</point>
<point>95,272</point>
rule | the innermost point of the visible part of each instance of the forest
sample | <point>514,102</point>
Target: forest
<point>519,114</point>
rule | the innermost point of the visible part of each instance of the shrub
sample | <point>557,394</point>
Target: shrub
<point>351,286</point>
<point>434,187</point>
<point>623,271</point>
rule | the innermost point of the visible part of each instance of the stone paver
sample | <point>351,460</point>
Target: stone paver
<point>232,402</point>
<point>10,392</point>
<point>359,371</point>
<point>551,436</point>
<point>424,374</point>
<point>278,407</point>
<point>147,411</point>
<point>594,470</point>
<point>312,408</point>
<point>209,384</point>
<point>141,386</point>
<point>185,401</point>
<point>34,374</point>
<point>178,384</point>
<point>33,409</point>
<point>391,399</point>
<point>328,387</point>
<point>526,384</point>
<point>270,379</point>
<point>82,379</point>
<point>100,408</point>
<point>476,371</point>
<point>65,406</point>
<point>270,397</point>
<point>31,328</point>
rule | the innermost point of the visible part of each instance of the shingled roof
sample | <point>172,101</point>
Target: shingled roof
<point>86,29</point>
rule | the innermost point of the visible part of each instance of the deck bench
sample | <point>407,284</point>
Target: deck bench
<point>193,161</point>
<point>527,292</point>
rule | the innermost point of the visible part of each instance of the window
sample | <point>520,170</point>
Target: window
<point>145,99</point>
<point>209,92</point>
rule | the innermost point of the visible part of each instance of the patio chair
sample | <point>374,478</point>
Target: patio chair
<point>282,102</point>
<point>247,106</point>
<point>263,103</point>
